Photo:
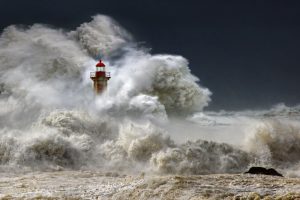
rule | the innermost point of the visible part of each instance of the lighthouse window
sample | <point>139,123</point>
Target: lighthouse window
<point>100,69</point>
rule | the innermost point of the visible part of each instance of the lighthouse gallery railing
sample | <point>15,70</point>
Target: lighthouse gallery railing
<point>93,74</point>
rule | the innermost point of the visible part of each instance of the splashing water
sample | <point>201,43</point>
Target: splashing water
<point>150,119</point>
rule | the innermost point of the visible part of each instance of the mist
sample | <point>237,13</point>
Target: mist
<point>150,118</point>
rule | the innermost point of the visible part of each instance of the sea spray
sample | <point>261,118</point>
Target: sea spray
<point>50,118</point>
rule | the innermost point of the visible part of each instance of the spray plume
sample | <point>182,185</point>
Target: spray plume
<point>49,117</point>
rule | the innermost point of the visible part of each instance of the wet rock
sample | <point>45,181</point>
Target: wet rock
<point>262,170</point>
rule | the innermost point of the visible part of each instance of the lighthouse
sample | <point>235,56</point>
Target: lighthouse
<point>100,78</point>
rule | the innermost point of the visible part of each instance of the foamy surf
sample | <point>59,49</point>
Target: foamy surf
<point>150,121</point>
<point>99,185</point>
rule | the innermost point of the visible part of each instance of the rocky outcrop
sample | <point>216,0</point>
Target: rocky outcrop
<point>264,171</point>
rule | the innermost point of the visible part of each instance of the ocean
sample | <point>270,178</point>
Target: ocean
<point>148,136</point>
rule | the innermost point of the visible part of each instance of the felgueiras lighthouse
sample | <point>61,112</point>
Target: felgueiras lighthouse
<point>100,78</point>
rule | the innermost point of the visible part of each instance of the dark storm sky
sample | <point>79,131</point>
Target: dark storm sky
<point>245,52</point>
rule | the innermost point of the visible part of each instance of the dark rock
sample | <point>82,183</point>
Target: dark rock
<point>262,170</point>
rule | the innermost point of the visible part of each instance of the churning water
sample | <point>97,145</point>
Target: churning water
<point>150,121</point>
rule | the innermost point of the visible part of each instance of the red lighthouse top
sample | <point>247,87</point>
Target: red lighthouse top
<point>100,64</point>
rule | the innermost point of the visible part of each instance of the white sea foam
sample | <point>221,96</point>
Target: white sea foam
<point>50,118</point>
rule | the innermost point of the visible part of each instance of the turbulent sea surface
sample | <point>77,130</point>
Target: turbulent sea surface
<point>146,137</point>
